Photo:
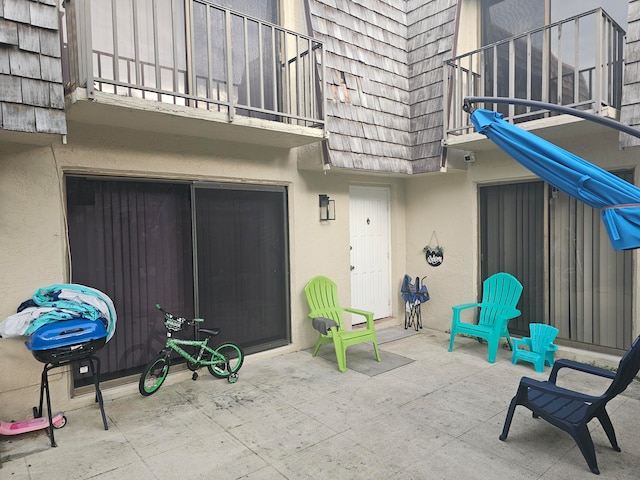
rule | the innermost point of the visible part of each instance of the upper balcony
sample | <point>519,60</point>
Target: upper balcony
<point>194,68</point>
<point>576,63</point>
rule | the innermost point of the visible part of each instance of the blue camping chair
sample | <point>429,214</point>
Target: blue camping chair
<point>414,295</point>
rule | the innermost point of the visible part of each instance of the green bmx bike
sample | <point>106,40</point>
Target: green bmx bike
<point>223,361</point>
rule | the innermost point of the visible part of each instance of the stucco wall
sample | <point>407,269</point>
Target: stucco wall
<point>33,249</point>
<point>448,205</point>
<point>33,243</point>
<point>31,255</point>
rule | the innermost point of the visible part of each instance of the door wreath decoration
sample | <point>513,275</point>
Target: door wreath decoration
<point>434,252</point>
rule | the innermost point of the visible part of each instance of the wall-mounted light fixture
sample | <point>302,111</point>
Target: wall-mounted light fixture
<point>327,208</point>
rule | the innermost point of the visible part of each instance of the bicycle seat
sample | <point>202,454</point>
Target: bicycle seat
<point>212,332</point>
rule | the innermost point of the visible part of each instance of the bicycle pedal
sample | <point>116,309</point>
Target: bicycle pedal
<point>194,376</point>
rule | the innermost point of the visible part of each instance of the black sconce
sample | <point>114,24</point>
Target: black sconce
<point>327,208</point>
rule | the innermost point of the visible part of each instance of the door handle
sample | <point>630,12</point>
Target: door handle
<point>352,268</point>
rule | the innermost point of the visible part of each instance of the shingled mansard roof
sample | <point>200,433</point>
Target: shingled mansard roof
<point>384,81</point>
<point>31,89</point>
<point>630,112</point>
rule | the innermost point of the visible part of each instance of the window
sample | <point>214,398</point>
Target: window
<point>590,284</point>
<point>559,64</point>
<point>618,9</point>
<point>254,69</point>
<point>574,280</point>
<point>502,19</point>
<point>144,43</point>
<point>512,240</point>
<point>215,251</point>
<point>124,38</point>
<point>266,10</point>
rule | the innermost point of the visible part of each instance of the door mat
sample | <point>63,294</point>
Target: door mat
<point>362,359</point>
<point>391,334</point>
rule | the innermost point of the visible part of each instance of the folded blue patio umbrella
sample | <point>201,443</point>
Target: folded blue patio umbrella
<point>618,199</point>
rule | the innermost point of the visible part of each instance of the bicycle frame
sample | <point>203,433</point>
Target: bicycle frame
<point>176,345</point>
<point>219,363</point>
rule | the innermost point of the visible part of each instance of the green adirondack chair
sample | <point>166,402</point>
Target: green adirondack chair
<point>322,297</point>
<point>500,295</point>
<point>538,348</point>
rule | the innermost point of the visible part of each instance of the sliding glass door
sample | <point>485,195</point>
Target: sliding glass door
<point>242,263</point>
<point>590,287</point>
<point>512,239</point>
<point>215,251</point>
<point>559,250</point>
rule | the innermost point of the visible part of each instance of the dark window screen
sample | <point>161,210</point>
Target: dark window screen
<point>266,10</point>
<point>132,240</point>
<point>242,264</point>
<point>512,238</point>
<point>502,19</point>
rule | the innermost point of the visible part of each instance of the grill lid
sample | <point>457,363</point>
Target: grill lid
<point>66,332</point>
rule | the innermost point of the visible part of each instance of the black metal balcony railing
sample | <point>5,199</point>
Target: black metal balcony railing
<point>577,62</point>
<point>197,54</point>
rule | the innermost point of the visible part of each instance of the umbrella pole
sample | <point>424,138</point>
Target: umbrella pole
<point>608,122</point>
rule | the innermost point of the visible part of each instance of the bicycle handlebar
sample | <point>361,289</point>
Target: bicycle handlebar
<point>159,307</point>
<point>170,316</point>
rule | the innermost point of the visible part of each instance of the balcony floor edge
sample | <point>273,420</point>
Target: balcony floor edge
<point>147,115</point>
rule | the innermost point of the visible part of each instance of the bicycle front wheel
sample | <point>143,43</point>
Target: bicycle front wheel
<point>153,375</point>
<point>230,357</point>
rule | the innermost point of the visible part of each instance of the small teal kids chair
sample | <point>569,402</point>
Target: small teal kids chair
<point>538,348</point>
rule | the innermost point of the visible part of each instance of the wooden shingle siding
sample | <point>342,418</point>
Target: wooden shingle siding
<point>8,32</point>
<point>10,89</point>
<point>29,38</point>
<point>430,42</point>
<point>16,10</point>
<point>21,118</point>
<point>630,111</point>
<point>31,84</point>
<point>367,91</point>
<point>5,68</point>
<point>384,76</point>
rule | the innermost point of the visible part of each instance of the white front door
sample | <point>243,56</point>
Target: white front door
<point>370,258</point>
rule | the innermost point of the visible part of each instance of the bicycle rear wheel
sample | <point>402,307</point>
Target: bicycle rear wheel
<point>153,375</point>
<point>233,358</point>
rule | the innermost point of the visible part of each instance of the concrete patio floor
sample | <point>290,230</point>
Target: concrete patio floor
<point>297,417</point>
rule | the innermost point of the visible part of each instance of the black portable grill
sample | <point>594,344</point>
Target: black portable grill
<point>61,343</point>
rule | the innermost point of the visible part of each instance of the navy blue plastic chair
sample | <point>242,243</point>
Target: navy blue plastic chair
<point>571,411</point>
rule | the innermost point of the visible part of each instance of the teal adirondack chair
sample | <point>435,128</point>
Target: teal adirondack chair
<point>538,348</point>
<point>500,295</point>
<point>322,297</point>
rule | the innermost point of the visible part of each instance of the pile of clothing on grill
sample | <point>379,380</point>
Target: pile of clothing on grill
<point>65,301</point>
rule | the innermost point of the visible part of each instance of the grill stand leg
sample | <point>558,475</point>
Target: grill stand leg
<point>44,387</point>
<point>94,363</point>
<point>95,371</point>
